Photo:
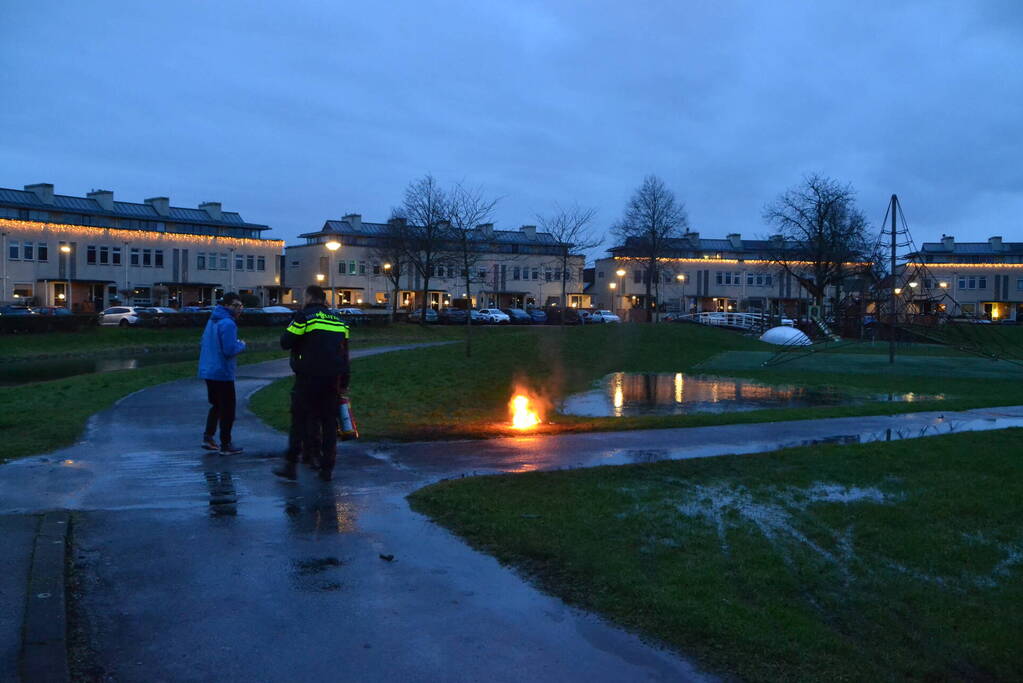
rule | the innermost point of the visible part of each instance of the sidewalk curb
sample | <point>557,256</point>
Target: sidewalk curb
<point>44,633</point>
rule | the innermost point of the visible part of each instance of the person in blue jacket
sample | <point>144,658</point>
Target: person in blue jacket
<point>219,347</point>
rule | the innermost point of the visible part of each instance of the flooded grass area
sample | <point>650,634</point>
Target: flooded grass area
<point>25,371</point>
<point>623,394</point>
<point>878,561</point>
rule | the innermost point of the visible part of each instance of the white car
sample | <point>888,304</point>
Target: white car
<point>604,317</point>
<point>120,315</point>
<point>277,309</point>
<point>494,315</point>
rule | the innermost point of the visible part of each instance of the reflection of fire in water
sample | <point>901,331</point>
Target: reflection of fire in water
<point>523,413</point>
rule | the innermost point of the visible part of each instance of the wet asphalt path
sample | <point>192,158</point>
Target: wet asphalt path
<point>203,567</point>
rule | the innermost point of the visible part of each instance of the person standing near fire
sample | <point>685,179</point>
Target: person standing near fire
<point>318,341</point>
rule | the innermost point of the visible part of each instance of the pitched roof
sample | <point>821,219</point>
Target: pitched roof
<point>28,199</point>
<point>343,227</point>
<point>977,248</point>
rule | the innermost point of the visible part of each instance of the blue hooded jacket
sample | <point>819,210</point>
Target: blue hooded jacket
<point>219,346</point>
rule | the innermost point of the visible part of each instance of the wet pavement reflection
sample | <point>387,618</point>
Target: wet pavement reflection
<point>623,394</point>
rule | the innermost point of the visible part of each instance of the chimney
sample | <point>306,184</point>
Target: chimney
<point>486,230</point>
<point>354,220</point>
<point>996,243</point>
<point>44,191</point>
<point>105,198</point>
<point>213,209</point>
<point>160,204</point>
<point>948,242</point>
<point>529,231</point>
<point>736,241</point>
<point>694,239</point>
<point>398,223</point>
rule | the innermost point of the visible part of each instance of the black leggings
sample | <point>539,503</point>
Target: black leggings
<point>221,397</point>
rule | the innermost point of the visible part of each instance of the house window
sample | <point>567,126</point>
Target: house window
<point>440,270</point>
<point>557,274</point>
<point>376,268</point>
<point>134,257</point>
<point>982,282</point>
<point>483,274</point>
<point>90,255</point>
<point>104,255</point>
<point>13,252</point>
<point>600,273</point>
<point>28,250</point>
<point>147,257</point>
<point>115,255</point>
<point>42,251</point>
<point>637,276</point>
<point>536,274</point>
<point>362,268</point>
<point>340,267</point>
<point>239,262</point>
<point>351,267</point>
<point>250,262</point>
<point>223,261</point>
<point>200,262</point>
<point>158,258</point>
<point>1019,284</point>
<point>261,263</point>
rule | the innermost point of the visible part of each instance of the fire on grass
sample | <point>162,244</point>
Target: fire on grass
<point>525,409</point>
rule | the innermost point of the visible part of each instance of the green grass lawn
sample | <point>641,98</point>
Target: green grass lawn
<point>116,340</point>
<point>883,561</point>
<point>44,416</point>
<point>439,393</point>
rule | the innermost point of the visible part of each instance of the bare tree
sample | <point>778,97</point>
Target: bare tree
<point>823,236</point>
<point>467,208</point>
<point>426,228</point>
<point>390,251</point>
<point>570,228</point>
<point>653,219</point>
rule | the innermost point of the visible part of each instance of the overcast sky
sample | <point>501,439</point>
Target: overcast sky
<point>294,113</point>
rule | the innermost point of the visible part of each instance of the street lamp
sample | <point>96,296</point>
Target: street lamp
<point>611,286</point>
<point>66,248</point>
<point>682,302</point>
<point>620,273</point>
<point>333,246</point>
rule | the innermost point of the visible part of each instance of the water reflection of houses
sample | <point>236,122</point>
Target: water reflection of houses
<point>665,389</point>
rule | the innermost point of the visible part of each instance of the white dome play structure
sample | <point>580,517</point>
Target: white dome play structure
<point>785,336</point>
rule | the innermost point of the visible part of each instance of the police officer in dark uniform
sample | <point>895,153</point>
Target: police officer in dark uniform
<point>318,341</point>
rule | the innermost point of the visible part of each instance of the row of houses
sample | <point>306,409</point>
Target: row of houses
<point>90,252</point>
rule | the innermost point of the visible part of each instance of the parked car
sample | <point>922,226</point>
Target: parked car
<point>585,317</point>
<point>517,316</point>
<point>16,310</point>
<point>277,309</point>
<point>51,310</point>
<point>453,316</point>
<point>121,315</point>
<point>604,317</point>
<point>537,315</point>
<point>495,316</point>
<point>417,316</point>
<point>349,311</point>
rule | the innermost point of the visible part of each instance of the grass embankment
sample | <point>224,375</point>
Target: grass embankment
<point>885,561</point>
<point>122,341</point>
<point>44,416</point>
<point>439,393</point>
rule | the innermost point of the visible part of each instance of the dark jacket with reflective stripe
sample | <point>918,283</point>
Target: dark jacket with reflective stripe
<point>318,341</point>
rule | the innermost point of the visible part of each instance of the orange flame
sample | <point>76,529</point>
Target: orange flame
<point>522,412</point>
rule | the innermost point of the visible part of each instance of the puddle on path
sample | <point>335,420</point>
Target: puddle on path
<point>622,394</point>
<point>629,456</point>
